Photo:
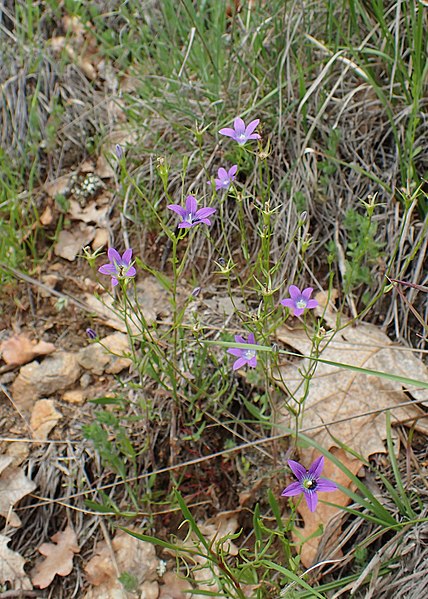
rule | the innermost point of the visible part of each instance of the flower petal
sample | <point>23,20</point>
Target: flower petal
<point>249,130</point>
<point>239,125</point>
<point>311,304</point>
<point>311,500</point>
<point>233,170</point>
<point>294,292</point>
<point>191,205</point>
<point>108,269</point>
<point>114,282</point>
<point>288,303</point>
<point>204,212</point>
<point>114,256</point>
<point>131,272</point>
<point>253,362</point>
<point>186,225</point>
<point>228,132</point>
<point>178,209</point>
<point>251,339</point>
<point>127,256</point>
<point>298,470</point>
<point>235,351</point>
<point>291,490</point>
<point>325,485</point>
<point>240,362</point>
<point>254,136</point>
<point>298,311</point>
<point>222,173</point>
<point>306,293</point>
<point>316,467</point>
<point>240,339</point>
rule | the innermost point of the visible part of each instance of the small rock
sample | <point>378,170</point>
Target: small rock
<point>85,380</point>
<point>149,590</point>
<point>35,380</point>
<point>74,396</point>
<point>98,359</point>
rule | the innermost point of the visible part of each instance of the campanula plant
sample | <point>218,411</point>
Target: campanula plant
<point>309,482</point>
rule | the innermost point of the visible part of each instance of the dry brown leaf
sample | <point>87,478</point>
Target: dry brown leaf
<point>329,517</point>
<point>18,451</point>
<point>60,186</point>
<point>174,587</point>
<point>12,567</point>
<point>70,243</point>
<point>104,170</point>
<point>90,213</point>
<point>336,395</point>
<point>126,553</point>
<point>14,485</point>
<point>101,569</point>
<point>44,418</point>
<point>101,239</point>
<point>219,526</point>
<point>46,217</point>
<point>18,350</point>
<point>59,558</point>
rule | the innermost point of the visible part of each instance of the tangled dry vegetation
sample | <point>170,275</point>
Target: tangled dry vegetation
<point>337,127</point>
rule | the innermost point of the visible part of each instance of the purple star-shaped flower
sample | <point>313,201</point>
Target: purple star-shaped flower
<point>309,482</point>
<point>241,133</point>
<point>190,215</point>
<point>245,356</point>
<point>299,301</point>
<point>120,267</point>
<point>225,178</point>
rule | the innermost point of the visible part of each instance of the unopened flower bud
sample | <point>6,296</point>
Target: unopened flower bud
<point>91,333</point>
<point>196,292</point>
<point>119,151</point>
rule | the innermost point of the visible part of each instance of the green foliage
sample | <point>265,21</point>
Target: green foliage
<point>363,249</point>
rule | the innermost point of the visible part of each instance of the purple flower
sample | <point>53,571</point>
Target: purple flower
<point>245,356</point>
<point>241,133</point>
<point>119,151</point>
<point>299,301</point>
<point>190,215</point>
<point>91,333</point>
<point>225,177</point>
<point>309,482</point>
<point>119,267</point>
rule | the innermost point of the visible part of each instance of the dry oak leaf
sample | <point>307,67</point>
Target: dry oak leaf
<point>19,349</point>
<point>44,418</point>
<point>14,485</point>
<point>347,405</point>
<point>322,547</point>
<point>126,554</point>
<point>12,567</point>
<point>59,558</point>
<point>70,243</point>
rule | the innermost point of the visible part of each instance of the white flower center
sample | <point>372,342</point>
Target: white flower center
<point>301,303</point>
<point>310,484</point>
<point>249,354</point>
<point>241,137</point>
